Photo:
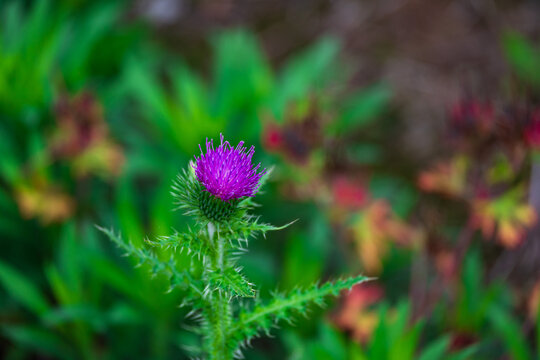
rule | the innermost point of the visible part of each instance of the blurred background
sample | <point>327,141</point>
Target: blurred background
<point>404,135</point>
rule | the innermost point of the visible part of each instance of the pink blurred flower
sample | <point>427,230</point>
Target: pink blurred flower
<point>532,132</point>
<point>472,117</point>
<point>272,137</point>
<point>348,194</point>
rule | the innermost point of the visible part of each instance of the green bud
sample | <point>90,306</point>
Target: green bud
<point>215,209</point>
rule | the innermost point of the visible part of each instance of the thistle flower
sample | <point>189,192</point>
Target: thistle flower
<point>227,172</point>
<point>226,175</point>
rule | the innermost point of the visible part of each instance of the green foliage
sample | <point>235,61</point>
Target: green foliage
<point>45,48</point>
<point>238,56</point>
<point>181,117</point>
<point>361,108</point>
<point>307,72</point>
<point>395,338</point>
<point>22,289</point>
<point>28,49</point>
<point>38,339</point>
<point>306,252</point>
<point>523,56</point>
<point>511,333</point>
<point>329,343</point>
<point>475,299</point>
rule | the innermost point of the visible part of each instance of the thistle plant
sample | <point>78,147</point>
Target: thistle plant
<point>217,191</point>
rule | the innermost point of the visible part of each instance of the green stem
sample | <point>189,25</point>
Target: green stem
<point>219,316</point>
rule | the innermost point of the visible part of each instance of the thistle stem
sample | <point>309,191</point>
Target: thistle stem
<point>219,308</point>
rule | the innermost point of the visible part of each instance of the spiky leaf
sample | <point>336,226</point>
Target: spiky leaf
<point>232,282</point>
<point>177,278</point>
<point>191,242</point>
<point>284,307</point>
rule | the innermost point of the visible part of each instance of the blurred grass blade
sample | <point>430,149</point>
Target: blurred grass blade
<point>523,57</point>
<point>39,339</point>
<point>465,354</point>
<point>242,75</point>
<point>510,333</point>
<point>436,349</point>
<point>70,314</point>
<point>22,289</point>
<point>305,73</point>
<point>95,26</point>
<point>362,108</point>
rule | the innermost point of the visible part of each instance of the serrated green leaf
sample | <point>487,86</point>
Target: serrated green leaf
<point>248,226</point>
<point>178,278</point>
<point>189,242</point>
<point>284,307</point>
<point>232,282</point>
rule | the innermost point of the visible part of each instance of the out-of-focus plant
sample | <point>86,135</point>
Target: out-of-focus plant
<point>81,141</point>
<point>46,54</point>
<point>216,191</point>
<point>487,177</point>
<point>396,336</point>
<point>86,307</point>
<point>483,315</point>
<point>357,313</point>
<point>495,192</point>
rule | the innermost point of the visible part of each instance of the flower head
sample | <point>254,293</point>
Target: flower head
<point>227,172</point>
<point>472,118</point>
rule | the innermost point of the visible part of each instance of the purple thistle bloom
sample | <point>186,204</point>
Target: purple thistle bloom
<point>227,172</point>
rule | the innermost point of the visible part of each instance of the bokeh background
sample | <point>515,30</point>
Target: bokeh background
<point>404,136</point>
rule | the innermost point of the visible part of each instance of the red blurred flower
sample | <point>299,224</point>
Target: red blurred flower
<point>532,131</point>
<point>348,194</point>
<point>297,137</point>
<point>272,137</point>
<point>472,117</point>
